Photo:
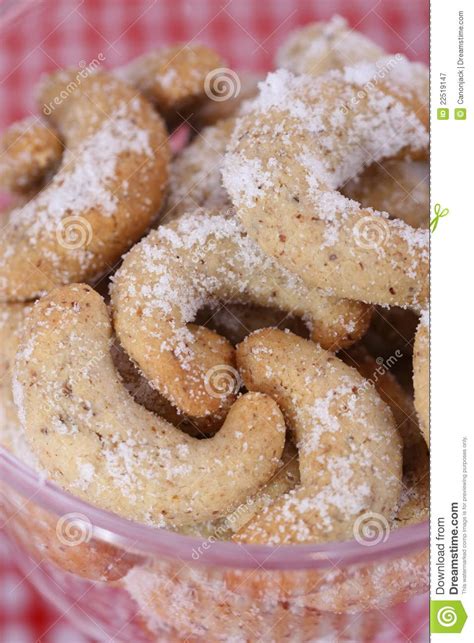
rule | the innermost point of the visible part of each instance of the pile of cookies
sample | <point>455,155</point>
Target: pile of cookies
<point>220,340</point>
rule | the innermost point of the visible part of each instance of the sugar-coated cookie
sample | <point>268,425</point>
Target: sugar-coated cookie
<point>94,440</point>
<point>323,46</point>
<point>199,259</point>
<point>104,195</point>
<point>173,78</point>
<point>350,453</point>
<point>302,140</point>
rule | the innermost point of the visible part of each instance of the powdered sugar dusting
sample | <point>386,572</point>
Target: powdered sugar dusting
<point>85,186</point>
<point>199,259</point>
<point>291,110</point>
<point>84,180</point>
<point>349,448</point>
<point>248,178</point>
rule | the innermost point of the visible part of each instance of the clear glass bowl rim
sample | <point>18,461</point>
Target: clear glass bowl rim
<point>146,540</point>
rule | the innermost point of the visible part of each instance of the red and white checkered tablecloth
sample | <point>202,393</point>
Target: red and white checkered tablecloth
<point>58,33</point>
<point>37,36</point>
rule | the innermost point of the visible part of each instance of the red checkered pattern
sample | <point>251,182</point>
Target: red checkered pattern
<point>58,33</point>
<point>25,617</point>
<point>37,36</point>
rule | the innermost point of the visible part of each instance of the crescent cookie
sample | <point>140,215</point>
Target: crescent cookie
<point>400,187</point>
<point>421,374</point>
<point>323,46</point>
<point>197,260</point>
<point>173,78</point>
<point>285,478</point>
<point>349,448</point>
<point>302,140</point>
<point>95,441</point>
<point>29,150</point>
<point>104,196</point>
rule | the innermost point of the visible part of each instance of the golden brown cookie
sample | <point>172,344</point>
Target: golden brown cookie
<point>323,46</point>
<point>300,142</point>
<point>102,199</point>
<point>95,441</point>
<point>349,448</point>
<point>197,260</point>
<point>173,78</point>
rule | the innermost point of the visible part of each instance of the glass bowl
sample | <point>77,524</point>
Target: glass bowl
<point>119,580</point>
<point>130,582</point>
